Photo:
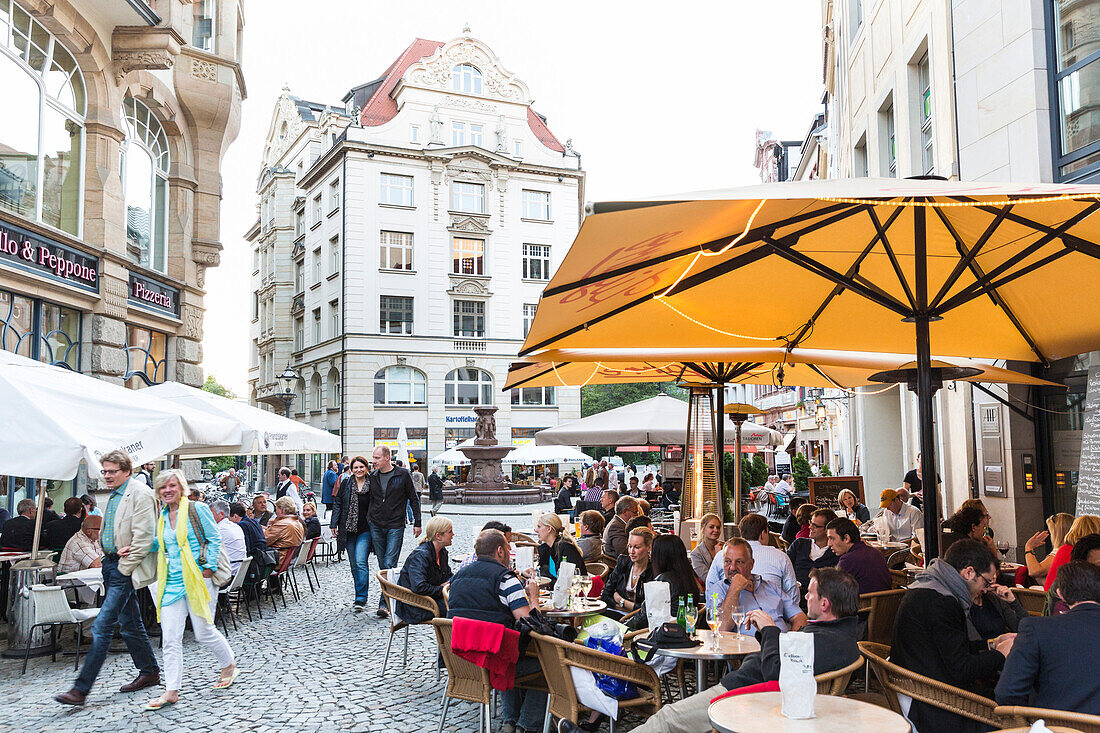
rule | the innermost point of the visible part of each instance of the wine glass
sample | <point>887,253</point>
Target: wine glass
<point>691,616</point>
<point>738,618</point>
<point>714,614</point>
<point>574,591</point>
<point>586,584</point>
<point>1002,546</point>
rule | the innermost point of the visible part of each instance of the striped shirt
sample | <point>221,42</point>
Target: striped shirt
<point>107,536</point>
<point>512,593</point>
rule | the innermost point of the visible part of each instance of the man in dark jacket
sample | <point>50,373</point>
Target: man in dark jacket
<point>931,633</point>
<point>58,532</point>
<point>807,553</point>
<point>1053,657</point>
<point>391,491</point>
<point>435,490</point>
<point>832,600</point>
<point>18,533</point>
<point>328,484</point>
<point>254,539</point>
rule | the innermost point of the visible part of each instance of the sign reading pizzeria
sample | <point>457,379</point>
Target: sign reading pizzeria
<point>27,251</point>
<point>152,295</point>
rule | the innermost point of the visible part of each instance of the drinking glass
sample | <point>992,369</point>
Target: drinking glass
<point>586,584</point>
<point>691,616</point>
<point>574,592</point>
<point>714,613</point>
<point>738,620</point>
<point>1002,546</point>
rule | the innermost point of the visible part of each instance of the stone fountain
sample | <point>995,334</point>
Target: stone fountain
<point>487,483</point>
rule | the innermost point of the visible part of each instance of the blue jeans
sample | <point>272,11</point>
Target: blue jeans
<point>358,547</point>
<point>387,548</point>
<point>525,708</point>
<point>120,605</point>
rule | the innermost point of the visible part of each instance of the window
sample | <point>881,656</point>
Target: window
<point>533,396</point>
<point>888,140</point>
<point>334,195</point>
<point>414,133</point>
<point>859,158</point>
<point>400,385</point>
<point>536,205</point>
<point>146,357</point>
<point>299,277</point>
<point>144,164</point>
<point>316,265</point>
<point>317,209</point>
<point>42,132</point>
<point>468,197</point>
<point>855,17</point>
<point>396,251</point>
<point>299,334</point>
<point>334,255</point>
<point>536,262</point>
<point>528,317</point>
<point>458,133</point>
<point>334,318</point>
<point>475,135</point>
<point>316,391</point>
<point>517,148</point>
<point>924,100</point>
<point>397,190</point>
<point>469,256</point>
<point>395,315</point>
<point>316,326</point>
<point>39,330</point>
<point>299,223</point>
<point>1074,71</point>
<point>466,78</point>
<point>255,306</point>
<point>468,386</point>
<point>256,259</point>
<point>469,318</point>
<point>333,388</point>
<point>203,31</point>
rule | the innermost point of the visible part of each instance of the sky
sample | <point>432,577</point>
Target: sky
<point>658,97</point>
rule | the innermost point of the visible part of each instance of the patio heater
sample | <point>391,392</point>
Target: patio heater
<point>739,413</point>
<point>702,489</point>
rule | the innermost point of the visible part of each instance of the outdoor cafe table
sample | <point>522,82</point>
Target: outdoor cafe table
<point>761,712</point>
<point>730,646</point>
<point>588,607</point>
<point>90,577</point>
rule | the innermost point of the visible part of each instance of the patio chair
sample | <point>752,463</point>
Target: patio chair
<point>596,568</point>
<point>326,549</point>
<point>301,560</point>
<point>900,681</point>
<point>898,579</point>
<point>236,586</point>
<point>836,682</point>
<point>1034,601</point>
<point>279,574</point>
<point>881,609</point>
<point>1014,715</point>
<point>51,608</point>
<point>393,594</point>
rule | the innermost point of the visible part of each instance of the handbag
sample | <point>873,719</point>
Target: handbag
<point>224,573</point>
<point>669,635</point>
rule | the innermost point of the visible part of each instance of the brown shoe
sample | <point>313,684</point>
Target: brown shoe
<point>141,682</point>
<point>72,697</point>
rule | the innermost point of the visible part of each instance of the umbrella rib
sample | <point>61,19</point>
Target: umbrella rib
<point>968,256</point>
<point>890,254</point>
<point>533,376</point>
<point>989,283</point>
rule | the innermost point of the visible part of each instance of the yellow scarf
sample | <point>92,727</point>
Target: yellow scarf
<point>198,596</point>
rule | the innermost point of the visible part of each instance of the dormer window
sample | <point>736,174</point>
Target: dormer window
<point>466,78</point>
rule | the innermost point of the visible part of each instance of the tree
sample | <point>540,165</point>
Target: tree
<point>759,471</point>
<point>597,398</point>
<point>219,463</point>
<point>824,470</point>
<point>211,385</point>
<point>800,469</point>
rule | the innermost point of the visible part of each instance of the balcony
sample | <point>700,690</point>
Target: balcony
<point>469,346</point>
<point>778,400</point>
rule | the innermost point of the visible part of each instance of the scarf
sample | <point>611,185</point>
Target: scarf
<point>945,580</point>
<point>351,496</point>
<point>198,595</point>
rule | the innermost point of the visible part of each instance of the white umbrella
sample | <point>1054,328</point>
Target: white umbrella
<point>531,454</point>
<point>402,453</point>
<point>261,431</point>
<point>452,456</point>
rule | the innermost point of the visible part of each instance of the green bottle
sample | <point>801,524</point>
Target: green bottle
<point>680,615</point>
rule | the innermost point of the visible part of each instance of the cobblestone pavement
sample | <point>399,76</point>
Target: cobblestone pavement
<point>316,666</point>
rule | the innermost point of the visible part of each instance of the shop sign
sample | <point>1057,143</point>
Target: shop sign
<point>20,248</point>
<point>152,295</point>
<point>411,443</point>
<point>456,420</point>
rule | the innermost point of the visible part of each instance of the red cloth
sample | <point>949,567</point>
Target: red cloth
<point>490,646</point>
<point>1060,558</point>
<point>597,587</point>
<point>803,532</point>
<point>762,687</point>
<point>1021,575</point>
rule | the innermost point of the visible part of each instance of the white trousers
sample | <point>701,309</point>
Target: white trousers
<point>173,620</point>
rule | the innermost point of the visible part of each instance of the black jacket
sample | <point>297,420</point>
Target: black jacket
<point>563,503</point>
<point>388,512</point>
<point>931,638</point>
<point>254,539</point>
<point>618,580</point>
<point>834,648</point>
<point>563,549</point>
<point>799,553</point>
<point>1053,663</point>
<point>312,527</point>
<point>59,532</point>
<point>424,575</point>
<point>435,487</point>
<point>18,534</point>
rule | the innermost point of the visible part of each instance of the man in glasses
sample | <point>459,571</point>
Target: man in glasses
<point>807,553</point>
<point>931,631</point>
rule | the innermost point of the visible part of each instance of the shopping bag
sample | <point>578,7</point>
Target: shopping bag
<point>796,674</point>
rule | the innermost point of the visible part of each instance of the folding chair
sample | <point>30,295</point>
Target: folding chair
<point>235,586</point>
<point>51,608</point>
<point>393,594</point>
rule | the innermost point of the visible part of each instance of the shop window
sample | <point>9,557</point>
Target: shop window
<point>533,397</point>
<point>146,357</point>
<point>40,330</point>
<point>144,167</point>
<point>400,385</point>
<point>468,386</point>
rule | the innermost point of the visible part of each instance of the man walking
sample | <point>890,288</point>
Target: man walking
<point>230,483</point>
<point>435,490</point>
<point>391,490</point>
<point>128,565</point>
<point>328,485</point>
<point>288,487</point>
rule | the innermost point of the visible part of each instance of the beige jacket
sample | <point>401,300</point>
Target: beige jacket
<point>135,525</point>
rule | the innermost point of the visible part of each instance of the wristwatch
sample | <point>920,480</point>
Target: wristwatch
<point>1029,552</point>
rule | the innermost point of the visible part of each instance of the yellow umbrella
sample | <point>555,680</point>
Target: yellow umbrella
<point>905,266</point>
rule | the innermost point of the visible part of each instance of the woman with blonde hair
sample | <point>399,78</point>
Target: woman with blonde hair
<point>1085,524</point>
<point>709,544</point>
<point>1057,527</point>
<point>624,590</point>
<point>555,547</point>
<point>427,569</point>
<point>850,508</point>
<point>188,545</point>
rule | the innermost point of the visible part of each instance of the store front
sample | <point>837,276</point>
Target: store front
<point>1060,427</point>
<point>417,445</point>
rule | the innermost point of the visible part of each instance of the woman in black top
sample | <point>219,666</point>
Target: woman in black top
<point>310,521</point>
<point>350,508</point>
<point>556,547</point>
<point>625,587</point>
<point>670,564</point>
<point>427,569</point>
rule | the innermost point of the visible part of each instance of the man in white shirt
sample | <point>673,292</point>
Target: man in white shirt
<point>287,487</point>
<point>232,535</point>
<point>770,563</point>
<point>902,519</point>
<point>784,486</point>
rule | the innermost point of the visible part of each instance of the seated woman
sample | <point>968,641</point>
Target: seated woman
<point>624,589</point>
<point>554,547</point>
<point>709,545</point>
<point>969,521</point>
<point>310,521</point>
<point>669,560</point>
<point>850,508</point>
<point>1083,525</point>
<point>284,532</point>
<point>590,543</point>
<point>1057,527</point>
<point>427,569</point>
<point>648,484</point>
<point>1086,549</point>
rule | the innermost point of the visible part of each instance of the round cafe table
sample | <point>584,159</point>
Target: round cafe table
<point>761,712</point>
<point>587,607</point>
<point>730,646</point>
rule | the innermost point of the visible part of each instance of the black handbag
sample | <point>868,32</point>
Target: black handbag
<point>669,635</point>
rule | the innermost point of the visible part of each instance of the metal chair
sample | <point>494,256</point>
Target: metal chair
<point>235,586</point>
<point>282,569</point>
<point>1015,715</point>
<point>51,608</point>
<point>394,593</point>
<point>301,560</point>
<point>326,549</point>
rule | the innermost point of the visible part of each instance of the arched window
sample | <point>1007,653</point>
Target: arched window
<point>317,392</point>
<point>400,385</point>
<point>144,164</point>
<point>42,128</point>
<point>333,388</point>
<point>466,78</point>
<point>468,386</point>
<point>300,395</point>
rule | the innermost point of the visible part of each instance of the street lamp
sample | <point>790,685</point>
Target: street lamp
<point>289,379</point>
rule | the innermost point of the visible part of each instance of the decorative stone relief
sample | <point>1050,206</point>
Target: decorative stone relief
<point>207,254</point>
<point>496,81</point>
<point>192,322</point>
<point>476,105</point>
<point>469,223</point>
<point>204,70</point>
<point>462,286</point>
<point>114,297</point>
<point>127,61</point>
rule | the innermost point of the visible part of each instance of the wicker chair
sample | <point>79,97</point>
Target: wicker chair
<point>1012,715</point>
<point>836,682</point>
<point>597,568</point>
<point>897,680</point>
<point>1032,600</point>
<point>882,608</point>
<point>394,593</point>
<point>898,579</point>
<point>557,656</point>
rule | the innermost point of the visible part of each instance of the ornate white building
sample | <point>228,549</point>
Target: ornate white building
<point>403,242</point>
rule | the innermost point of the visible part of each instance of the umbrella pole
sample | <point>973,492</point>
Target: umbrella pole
<point>924,389</point>
<point>720,440</point>
<point>737,473</point>
<point>38,519</point>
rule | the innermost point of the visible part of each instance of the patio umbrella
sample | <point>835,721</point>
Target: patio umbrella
<point>453,456</point>
<point>970,269</point>
<point>532,454</point>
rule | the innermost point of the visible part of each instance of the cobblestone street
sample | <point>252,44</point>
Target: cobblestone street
<point>315,666</point>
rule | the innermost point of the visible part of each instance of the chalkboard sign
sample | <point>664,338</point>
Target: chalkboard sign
<point>825,489</point>
<point>1088,484</point>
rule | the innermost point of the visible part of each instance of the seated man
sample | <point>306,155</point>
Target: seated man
<point>260,511</point>
<point>590,543</point>
<point>607,505</point>
<point>18,533</point>
<point>857,558</point>
<point>1051,655</point>
<point>931,631</point>
<point>83,551</point>
<point>58,532</point>
<point>832,599</point>
<point>489,590</point>
<point>740,588</point>
<point>236,549</point>
<point>284,532</point>
<point>807,553</point>
<point>902,519</point>
<point>254,540</point>
<point>614,534</point>
<point>770,563</point>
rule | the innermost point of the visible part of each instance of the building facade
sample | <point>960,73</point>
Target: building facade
<point>116,119</point>
<point>403,242</point>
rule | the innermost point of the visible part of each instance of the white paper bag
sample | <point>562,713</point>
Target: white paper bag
<point>525,558</point>
<point>658,606</point>
<point>591,696</point>
<point>796,674</point>
<point>561,588</point>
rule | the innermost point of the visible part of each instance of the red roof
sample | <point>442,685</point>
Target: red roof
<point>381,107</point>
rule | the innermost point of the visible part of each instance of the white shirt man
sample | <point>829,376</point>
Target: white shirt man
<point>901,519</point>
<point>232,535</point>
